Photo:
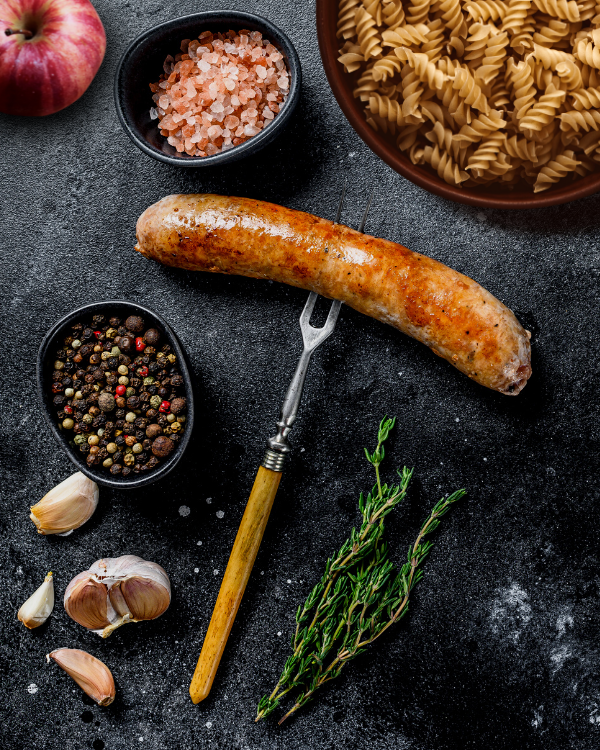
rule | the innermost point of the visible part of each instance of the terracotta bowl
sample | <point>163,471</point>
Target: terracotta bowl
<point>487,197</point>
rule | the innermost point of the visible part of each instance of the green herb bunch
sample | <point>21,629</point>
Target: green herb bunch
<point>360,594</point>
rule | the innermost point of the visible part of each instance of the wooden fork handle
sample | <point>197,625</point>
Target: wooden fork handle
<point>239,567</point>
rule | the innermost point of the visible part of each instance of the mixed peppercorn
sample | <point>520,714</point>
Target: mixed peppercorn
<point>118,394</point>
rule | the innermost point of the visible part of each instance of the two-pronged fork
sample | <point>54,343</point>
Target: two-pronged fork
<point>256,515</point>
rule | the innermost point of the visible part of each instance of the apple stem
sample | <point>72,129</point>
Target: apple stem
<point>26,33</point>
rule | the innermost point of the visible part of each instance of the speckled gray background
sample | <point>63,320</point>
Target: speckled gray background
<point>501,648</point>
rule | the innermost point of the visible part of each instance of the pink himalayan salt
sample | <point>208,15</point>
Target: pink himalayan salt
<point>210,91</point>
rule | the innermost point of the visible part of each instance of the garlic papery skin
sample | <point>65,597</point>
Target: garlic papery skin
<point>92,675</point>
<point>38,607</point>
<point>67,506</point>
<point>115,591</point>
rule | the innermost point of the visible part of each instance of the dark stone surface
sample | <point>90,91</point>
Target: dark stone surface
<point>501,647</point>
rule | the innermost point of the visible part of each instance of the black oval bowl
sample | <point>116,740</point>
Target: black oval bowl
<point>45,366</point>
<point>142,64</point>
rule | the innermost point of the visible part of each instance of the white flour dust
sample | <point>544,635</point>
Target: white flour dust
<point>510,612</point>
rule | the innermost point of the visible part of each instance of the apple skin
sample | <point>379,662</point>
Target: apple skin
<point>52,69</point>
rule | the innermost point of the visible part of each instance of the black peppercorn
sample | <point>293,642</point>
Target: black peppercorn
<point>119,424</point>
<point>153,390</point>
<point>145,359</point>
<point>124,359</point>
<point>102,453</point>
<point>84,448</point>
<point>96,358</point>
<point>91,460</point>
<point>87,333</point>
<point>133,402</point>
<point>153,461</point>
<point>86,350</point>
<point>115,468</point>
<point>126,343</point>
<point>67,382</point>
<point>126,471</point>
<point>121,403</point>
<point>115,322</point>
<point>147,444</point>
<point>107,345</point>
<point>69,366</point>
<point>111,378</point>
<point>166,349</point>
<point>136,469</point>
<point>98,320</point>
<point>117,457</point>
<point>103,443</point>
<point>120,414</point>
<point>59,400</point>
<point>78,415</point>
<point>86,390</point>
<point>141,422</point>
<point>135,382</point>
<point>77,384</point>
<point>128,429</point>
<point>83,427</point>
<point>151,413</point>
<point>163,392</point>
<point>150,350</point>
<point>141,458</point>
<point>60,415</point>
<point>113,363</point>
<point>57,388</point>
<point>144,397</point>
<point>162,420</point>
<point>153,367</point>
<point>122,330</point>
<point>89,378</point>
<point>120,440</point>
<point>139,435</point>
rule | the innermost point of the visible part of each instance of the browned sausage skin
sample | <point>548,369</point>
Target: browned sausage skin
<point>452,314</point>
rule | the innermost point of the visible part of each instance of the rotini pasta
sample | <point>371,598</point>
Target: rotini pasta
<point>480,91</point>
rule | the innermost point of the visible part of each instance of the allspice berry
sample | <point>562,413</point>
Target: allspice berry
<point>162,446</point>
<point>178,405</point>
<point>134,323</point>
<point>153,431</point>
<point>152,337</point>
<point>106,401</point>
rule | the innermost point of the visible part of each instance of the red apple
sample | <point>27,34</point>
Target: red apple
<point>50,51</point>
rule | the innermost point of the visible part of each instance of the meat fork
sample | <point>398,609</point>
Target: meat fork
<point>256,515</point>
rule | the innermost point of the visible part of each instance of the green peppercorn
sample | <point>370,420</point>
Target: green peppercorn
<point>79,439</point>
<point>130,392</point>
<point>111,447</point>
<point>149,380</point>
<point>130,417</point>
<point>129,459</point>
<point>93,440</point>
<point>137,448</point>
<point>100,432</point>
<point>172,358</point>
<point>68,423</point>
<point>155,402</point>
<point>123,370</point>
<point>115,351</point>
<point>108,462</point>
<point>76,344</point>
<point>87,418</point>
<point>111,333</point>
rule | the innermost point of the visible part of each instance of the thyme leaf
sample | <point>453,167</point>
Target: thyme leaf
<point>360,595</point>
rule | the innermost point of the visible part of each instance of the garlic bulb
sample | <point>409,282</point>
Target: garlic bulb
<point>115,591</point>
<point>66,507</point>
<point>38,607</point>
<point>92,675</point>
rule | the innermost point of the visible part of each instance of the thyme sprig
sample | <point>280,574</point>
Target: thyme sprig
<point>360,594</point>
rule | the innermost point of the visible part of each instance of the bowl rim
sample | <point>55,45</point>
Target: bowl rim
<point>139,480</point>
<point>248,147</point>
<point>338,80</point>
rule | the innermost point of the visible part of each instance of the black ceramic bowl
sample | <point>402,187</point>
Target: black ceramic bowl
<point>45,366</point>
<point>142,64</point>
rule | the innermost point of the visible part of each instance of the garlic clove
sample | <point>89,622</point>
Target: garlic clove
<point>67,506</point>
<point>145,598</point>
<point>38,607</point>
<point>86,602</point>
<point>133,590</point>
<point>92,675</point>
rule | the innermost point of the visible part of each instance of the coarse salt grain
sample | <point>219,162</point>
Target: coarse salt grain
<point>213,89</point>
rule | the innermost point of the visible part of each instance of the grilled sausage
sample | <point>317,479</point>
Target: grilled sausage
<point>452,314</point>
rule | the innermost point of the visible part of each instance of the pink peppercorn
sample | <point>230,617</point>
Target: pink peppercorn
<point>142,371</point>
<point>139,344</point>
<point>97,334</point>
<point>120,390</point>
<point>165,407</point>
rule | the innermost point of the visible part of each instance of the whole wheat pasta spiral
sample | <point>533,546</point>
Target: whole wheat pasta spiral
<point>480,91</point>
